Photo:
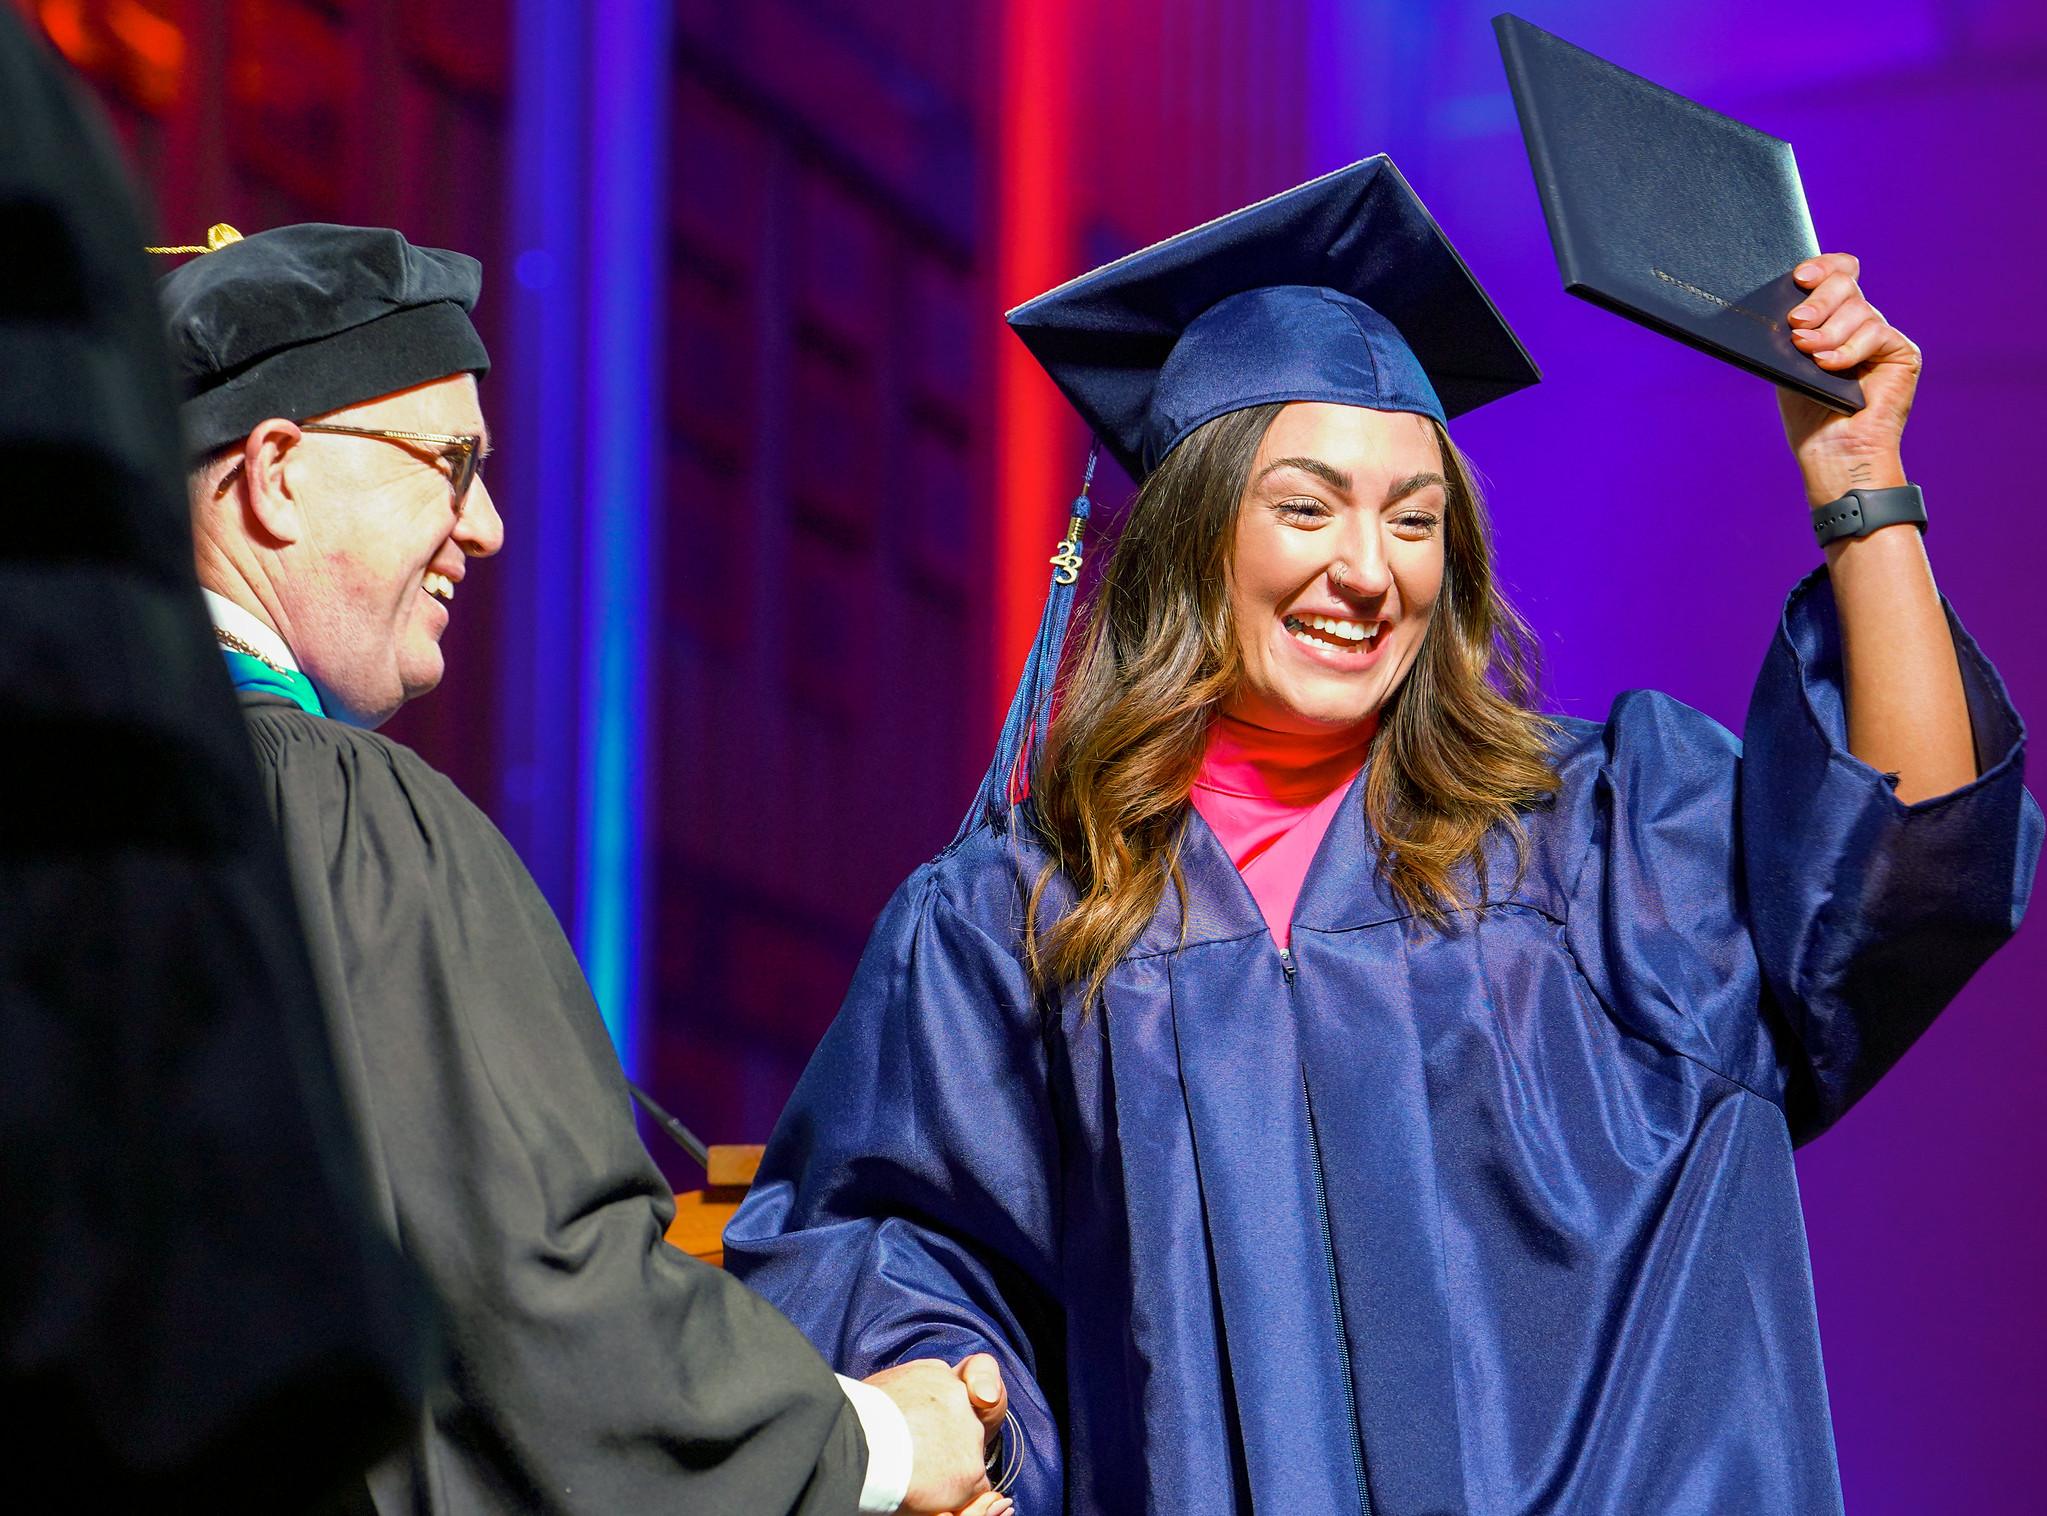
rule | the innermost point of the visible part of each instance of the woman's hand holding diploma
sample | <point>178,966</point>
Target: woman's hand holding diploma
<point>1907,714</point>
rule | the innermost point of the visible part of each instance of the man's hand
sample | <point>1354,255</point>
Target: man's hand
<point>982,1375</point>
<point>949,1430</point>
<point>1845,334</point>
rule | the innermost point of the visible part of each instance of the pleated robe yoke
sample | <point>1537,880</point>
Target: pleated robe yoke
<point>1363,1056</point>
<point>1238,1070</point>
<point>1317,1374</point>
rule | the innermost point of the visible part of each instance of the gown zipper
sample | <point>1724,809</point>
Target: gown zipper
<point>1350,1399</point>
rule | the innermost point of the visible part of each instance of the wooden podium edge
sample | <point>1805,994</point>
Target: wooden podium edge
<point>701,1216</point>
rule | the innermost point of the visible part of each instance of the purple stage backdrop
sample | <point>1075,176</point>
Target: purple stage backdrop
<point>1650,522</point>
<point>831,436</point>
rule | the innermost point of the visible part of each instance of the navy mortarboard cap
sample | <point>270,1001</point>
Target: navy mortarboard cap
<point>303,320</point>
<point>1343,289</point>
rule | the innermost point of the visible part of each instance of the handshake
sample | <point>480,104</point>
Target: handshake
<point>954,1413</point>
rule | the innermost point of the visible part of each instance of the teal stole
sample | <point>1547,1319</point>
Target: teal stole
<point>254,674</point>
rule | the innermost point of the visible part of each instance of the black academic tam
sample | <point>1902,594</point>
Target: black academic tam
<point>303,320</point>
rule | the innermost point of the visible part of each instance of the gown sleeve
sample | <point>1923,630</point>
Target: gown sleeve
<point>593,1367</point>
<point>1770,908</point>
<point>1869,915</point>
<point>905,1207</point>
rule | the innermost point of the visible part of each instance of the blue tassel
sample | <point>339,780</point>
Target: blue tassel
<point>1030,708</point>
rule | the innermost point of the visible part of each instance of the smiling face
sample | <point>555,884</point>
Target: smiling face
<point>362,593</point>
<point>1337,564</point>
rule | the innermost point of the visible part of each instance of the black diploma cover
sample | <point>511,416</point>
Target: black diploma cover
<point>1666,212</point>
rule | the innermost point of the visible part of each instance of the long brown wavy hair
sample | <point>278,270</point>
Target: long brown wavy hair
<point>1460,749</point>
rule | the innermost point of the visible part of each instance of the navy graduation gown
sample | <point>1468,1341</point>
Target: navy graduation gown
<point>1494,1219</point>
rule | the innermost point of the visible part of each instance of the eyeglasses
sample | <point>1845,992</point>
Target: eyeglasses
<point>464,454</point>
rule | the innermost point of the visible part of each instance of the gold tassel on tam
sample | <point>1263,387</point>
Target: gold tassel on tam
<point>218,236</point>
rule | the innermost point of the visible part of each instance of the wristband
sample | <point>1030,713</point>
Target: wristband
<point>1860,512</point>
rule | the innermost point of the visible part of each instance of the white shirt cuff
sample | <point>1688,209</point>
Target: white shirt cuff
<point>890,1455</point>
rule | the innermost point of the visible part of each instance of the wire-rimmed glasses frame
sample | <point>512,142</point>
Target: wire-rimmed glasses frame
<point>466,453</point>
<point>468,462</point>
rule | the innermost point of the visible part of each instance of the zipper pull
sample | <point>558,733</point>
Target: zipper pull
<point>1286,964</point>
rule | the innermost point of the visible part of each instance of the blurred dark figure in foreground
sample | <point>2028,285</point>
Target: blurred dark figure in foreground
<point>196,1310</point>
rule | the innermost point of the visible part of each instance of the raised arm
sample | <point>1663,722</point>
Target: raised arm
<point>1907,714</point>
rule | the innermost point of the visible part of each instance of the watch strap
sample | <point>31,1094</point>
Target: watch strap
<point>1860,512</point>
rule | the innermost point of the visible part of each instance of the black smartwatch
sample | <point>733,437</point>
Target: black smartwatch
<point>1860,512</point>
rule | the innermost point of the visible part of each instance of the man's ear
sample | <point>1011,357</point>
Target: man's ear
<point>273,505</point>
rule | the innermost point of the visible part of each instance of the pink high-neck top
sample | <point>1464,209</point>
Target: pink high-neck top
<point>1269,797</point>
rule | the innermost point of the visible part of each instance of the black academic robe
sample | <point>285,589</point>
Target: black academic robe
<point>593,1367</point>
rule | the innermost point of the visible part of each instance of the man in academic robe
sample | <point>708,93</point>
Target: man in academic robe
<point>336,436</point>
<point>198,1309</point>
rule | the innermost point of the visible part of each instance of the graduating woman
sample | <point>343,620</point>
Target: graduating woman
<point>1326,1083</point>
